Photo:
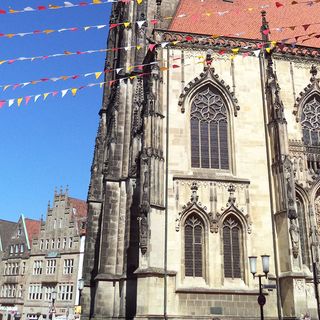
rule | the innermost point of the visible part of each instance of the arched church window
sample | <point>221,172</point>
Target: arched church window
<point>194,246</point>
<point>302,228</point>
<point>310,121</point>
<point>232,244</point>
<point>209,130</point>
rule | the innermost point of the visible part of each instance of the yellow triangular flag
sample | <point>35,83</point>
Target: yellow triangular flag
<point>273,43</point>
<point>45,95</point>
<point>132,77</point>
<point>163,68</point>
<point>126,24</point>
<point>232,57</point>
<point>2,61</point>
<point>19,101</point>
<point>74,91</point>
<point>96,1</point>
<point>268,50</point>
<point>12,11</point>
<point>138,47</point>
<point>48,31</point>
<point>139,1</point>
<point>9,35</point>
<point>235,51</point>
<point>98,74</point>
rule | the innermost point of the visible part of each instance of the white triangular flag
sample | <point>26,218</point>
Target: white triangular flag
<point>10,102</point>
<point>89,74</point>
<point>101,26</point>
<point>87,28</point>
<point>163,44</point>
<point>28,9</point>
<point>54,79</point>
<point>68,4</point>
<point>25,84</point>
<point>140,23</point>
<point>256,52</point>
<point>118,70</point>
<point>64,92</point>
<point>36,97</point>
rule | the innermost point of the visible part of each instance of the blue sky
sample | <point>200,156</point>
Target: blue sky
<point>48,143</point>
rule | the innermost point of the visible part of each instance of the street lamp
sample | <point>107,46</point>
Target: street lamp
<point>53,298</point>
<point>253,270</point>
<point>80,288</point>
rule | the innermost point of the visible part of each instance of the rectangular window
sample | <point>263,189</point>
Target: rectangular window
<point>41,244</point>
<point>11,249</point>
<point>58,243</point>
<point>16,248</point>
<point>37,267</point>
<point>65,292</point>
<point>68,266</point>
<point>23,269</point>
<point>64,243</point>
<point>47,244</point>
<point>48,292</point>
<point>22,248</point>
<point>51,266</point>
<point>54,223</point>
<point>52,243</point>
<point>70,242</point>
<point>35,292</point>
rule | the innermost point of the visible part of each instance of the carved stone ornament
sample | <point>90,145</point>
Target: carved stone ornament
<point>194,206</point>
<point>290,187</point>
<point>294,236</point>
<point>209,77</point>
<point>215,219</point>
<point>233,207</point>
<point>311,89</point>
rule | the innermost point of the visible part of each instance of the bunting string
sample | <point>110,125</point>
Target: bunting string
<point>66,4</point>
<point>49,31</point>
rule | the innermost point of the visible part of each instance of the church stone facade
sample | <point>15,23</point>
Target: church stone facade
<point>201,160</point>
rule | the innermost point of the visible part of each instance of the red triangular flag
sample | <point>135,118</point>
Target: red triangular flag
<point>152,46</point>
<point>292,27</point>
<point>266,31</point>
<point>154,21</point>
<point>2,103</point>
<point>189,38</point>
<point>113,25</point>
<point>306,26</point>
<point>27,99</point>
<point>278,4</point>
<point>175,66</point>
<point>42,8</point>
<point>2,11</point>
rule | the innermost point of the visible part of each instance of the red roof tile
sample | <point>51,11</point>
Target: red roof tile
<point>239,19</point>
<point>33,228</point>
<point>80,206</point>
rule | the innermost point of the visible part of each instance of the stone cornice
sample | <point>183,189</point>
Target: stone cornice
<point>203,41</point>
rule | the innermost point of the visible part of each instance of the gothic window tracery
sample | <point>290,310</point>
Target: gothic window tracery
<point>232,244</point>
<point>310,121</point>
<point>194,246</point>
<point>209,130</point>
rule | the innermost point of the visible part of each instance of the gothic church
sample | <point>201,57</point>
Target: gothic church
<point>207,153</point>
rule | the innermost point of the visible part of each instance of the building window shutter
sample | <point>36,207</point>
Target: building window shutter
<point>193,247</point>
<point>209,130</point>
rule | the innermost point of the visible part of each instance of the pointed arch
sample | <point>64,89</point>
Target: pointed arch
<point>307,111</point>
<point>232,235</point>
<point>210,105</point>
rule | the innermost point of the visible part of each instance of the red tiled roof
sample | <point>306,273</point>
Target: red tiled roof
<point>80,206</point>
<point>239,19</point>
<point>33,228</point>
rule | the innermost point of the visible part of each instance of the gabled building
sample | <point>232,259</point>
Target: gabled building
<point>55,263</point>
<point>16,244</point>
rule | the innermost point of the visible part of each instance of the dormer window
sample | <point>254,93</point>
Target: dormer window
<point>19,232</point>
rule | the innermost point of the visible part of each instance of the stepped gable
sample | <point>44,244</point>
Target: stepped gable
<point>239,20</point>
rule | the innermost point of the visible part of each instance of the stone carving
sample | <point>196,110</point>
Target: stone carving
<point>299,285</point>
<point>144,206</point>
<point>295,236</point>
<point>194,205</point>
<point>290,188</point>
<point>209,77</point>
